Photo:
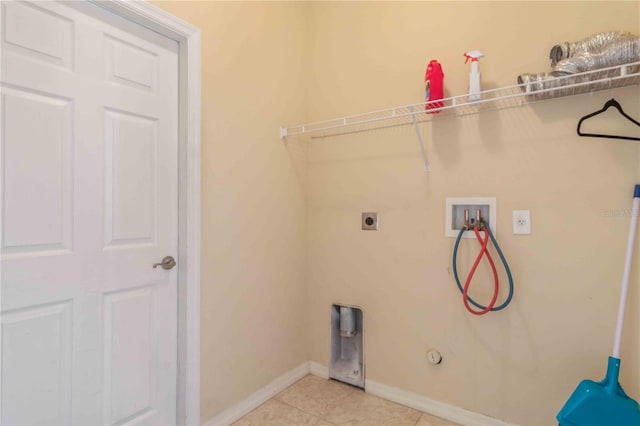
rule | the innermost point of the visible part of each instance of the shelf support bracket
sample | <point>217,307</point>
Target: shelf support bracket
<point>419,136</point>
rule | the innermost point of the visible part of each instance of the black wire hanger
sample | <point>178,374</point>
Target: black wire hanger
<point>610,103</point>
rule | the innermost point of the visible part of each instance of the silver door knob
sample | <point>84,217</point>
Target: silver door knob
<point>167,263</point>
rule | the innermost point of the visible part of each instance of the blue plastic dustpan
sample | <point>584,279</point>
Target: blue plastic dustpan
<point>600,404</point>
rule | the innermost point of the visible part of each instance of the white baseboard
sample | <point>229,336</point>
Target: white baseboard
<point>409,399</point>
<point>419,402</point>
<point>258,398</point>
<point>431,406</point>
<point>318,370</point>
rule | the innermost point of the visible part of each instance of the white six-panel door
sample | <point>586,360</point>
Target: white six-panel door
<point>89,143</point>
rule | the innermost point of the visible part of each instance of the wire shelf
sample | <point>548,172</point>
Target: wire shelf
<point>501,98</point>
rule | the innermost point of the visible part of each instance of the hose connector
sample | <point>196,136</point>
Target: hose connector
<point>479,220</point>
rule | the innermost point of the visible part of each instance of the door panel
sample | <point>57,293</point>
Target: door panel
<point>89,179</point>
<point>131,348</point>
<point>38,33</point>
<point>36,362</point>
<point>131,180</point>
<point>36,159</point>
<point>131,65</point>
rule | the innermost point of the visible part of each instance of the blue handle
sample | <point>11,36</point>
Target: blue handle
<point>636,192</point>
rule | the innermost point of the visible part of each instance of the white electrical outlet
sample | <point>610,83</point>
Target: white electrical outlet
<point>522,222</point>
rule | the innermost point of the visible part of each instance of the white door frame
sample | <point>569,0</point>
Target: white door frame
<point>188,39</point>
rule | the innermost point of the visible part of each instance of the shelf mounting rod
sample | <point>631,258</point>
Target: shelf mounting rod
<point>419,136</point>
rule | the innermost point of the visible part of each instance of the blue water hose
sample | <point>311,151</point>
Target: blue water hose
<point>504,263</point>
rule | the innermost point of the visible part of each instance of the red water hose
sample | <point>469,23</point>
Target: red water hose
<point>496,286</point>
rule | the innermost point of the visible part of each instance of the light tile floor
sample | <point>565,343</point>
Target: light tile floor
<point>316,401</point>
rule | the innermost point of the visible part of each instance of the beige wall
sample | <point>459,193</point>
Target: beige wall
<point>265,303</point>
<point>253,206</point>
<point>519,365</point>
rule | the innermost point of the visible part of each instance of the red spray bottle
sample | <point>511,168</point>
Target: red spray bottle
<point>433,86</point>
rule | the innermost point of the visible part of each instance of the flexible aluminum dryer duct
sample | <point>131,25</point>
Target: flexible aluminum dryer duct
<point>569,49</point>
<point>598,51</point>
<point>623,50</point>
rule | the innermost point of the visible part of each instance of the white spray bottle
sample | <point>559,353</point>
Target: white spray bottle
<point>474,75</point>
